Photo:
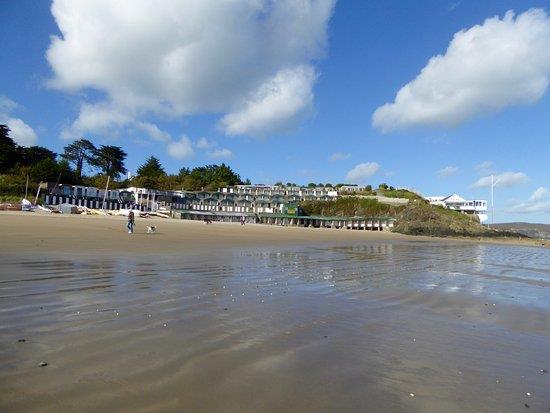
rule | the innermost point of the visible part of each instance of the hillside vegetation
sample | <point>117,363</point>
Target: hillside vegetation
<point>420,218</point>
<point>416,218</point>
<point>399,193</point>
<point>349,207</point>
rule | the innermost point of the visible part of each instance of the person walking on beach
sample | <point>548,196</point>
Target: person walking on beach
<point>131,222</point>
<point>243,220</point>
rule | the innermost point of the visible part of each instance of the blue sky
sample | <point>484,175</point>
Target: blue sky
<point>296,91</point>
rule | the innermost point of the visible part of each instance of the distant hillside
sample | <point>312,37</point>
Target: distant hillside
<point>541,231</point>
<point>416,218</point>
<point>420,218</point>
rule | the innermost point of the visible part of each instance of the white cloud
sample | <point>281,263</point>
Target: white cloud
<point>181,149</point>
<point>250,60</point>
<point>538,202</point>
<point>362,171</point>
<point>501,63</point>
<point>204,143</point>
<point>540,194</point>
<point>7,105</point>
<point>276,106</point>
<point>484,166</point>
<point>339,156</point>
<point>105,118</point>
<point>154,132</point>
<point>501,180</point>
<point>447,171</point>
<point>20,132</point>
<point>221,154</point>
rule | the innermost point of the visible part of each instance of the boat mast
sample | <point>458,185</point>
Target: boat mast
<point>105,194</point>
<point>27,186</point>
<point>37,192</point>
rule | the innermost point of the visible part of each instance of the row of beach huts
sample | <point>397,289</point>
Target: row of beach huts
<point>272,205</point>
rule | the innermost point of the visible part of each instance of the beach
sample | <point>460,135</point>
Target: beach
<point>108,234</point>
<point>231,318</point>
<point>89,234</point>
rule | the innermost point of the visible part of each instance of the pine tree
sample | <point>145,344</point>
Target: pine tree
<point>78,153</point>
<point>152,168</point>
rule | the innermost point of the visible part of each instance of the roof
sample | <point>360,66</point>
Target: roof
<point>454,198</point>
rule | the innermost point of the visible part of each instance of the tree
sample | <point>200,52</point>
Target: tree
<point>383,186</point>
<point>33,154</point>
<point>110,160</point>
<point>7,149</point>
<point>67,173</point>
<point>328,185</point>
<point>151,168</point>
<point>368,188</point>
<point>44,170</point>
<point>311,185</point>
<point>77,153</point>
<point>184,172</point>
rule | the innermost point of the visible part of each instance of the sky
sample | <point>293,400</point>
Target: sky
<point>430,95</point>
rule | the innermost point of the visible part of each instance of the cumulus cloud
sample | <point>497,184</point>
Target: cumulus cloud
<point>500,63</point>
<point>20,132</point>
<point>339,156</point>
<point>221,153</point>
<point>252,61</point>
<point>204,143</point>
<point>447,171</point>
<point>277,106</point>
<point>154,132</point>
<point>502,180</point>
<point>105,118</point>
<point>538,202</point>
<point>540,194</point>
<point>181,149</point>
<point>362,171</point>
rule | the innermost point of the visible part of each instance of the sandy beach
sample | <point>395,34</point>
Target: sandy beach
<point>88,234</point>
<point>224,318</point>
<point>97,233</point>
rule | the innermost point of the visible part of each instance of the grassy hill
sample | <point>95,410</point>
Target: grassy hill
<point>421,218</point>
<point>416,218</point>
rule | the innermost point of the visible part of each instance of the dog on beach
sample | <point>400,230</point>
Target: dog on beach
<point>151,229</point>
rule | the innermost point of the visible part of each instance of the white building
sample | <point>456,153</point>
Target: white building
<point>455,202</point>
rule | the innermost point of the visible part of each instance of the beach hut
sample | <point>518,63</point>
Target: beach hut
<point>243,205</point>
<point>209,204</point>
<point>227,205</point>
<point>202,195</point>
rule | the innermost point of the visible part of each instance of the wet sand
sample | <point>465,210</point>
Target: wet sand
<point>286,320</point>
